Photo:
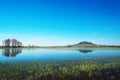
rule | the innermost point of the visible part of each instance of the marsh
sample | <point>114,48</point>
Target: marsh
<point>59,64</point>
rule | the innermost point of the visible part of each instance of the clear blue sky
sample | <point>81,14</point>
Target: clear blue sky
<point>60,22</point>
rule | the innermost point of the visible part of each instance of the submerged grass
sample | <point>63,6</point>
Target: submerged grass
<point>71,70</point>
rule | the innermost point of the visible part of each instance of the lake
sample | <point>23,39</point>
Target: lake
<point>59,64</point>
<point>43,55</point>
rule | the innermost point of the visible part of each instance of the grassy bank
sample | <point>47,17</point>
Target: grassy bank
<point>72,70</point>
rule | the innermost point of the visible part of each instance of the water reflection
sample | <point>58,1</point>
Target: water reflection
<point>11,52</point>
<point>85,51</point>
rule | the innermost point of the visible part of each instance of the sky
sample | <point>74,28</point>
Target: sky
<point>60,22</point>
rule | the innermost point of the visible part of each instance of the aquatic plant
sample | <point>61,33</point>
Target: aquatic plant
<point>71,70</point>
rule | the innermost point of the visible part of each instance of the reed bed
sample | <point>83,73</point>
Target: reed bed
<point>64,70</point>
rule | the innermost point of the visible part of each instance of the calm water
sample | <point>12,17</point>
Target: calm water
<point>28,55</point>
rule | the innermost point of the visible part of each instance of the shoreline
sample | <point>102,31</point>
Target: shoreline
<point>64,47</point>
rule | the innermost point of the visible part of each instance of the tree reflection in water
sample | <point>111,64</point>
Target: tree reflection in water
<point>85,51</point>
<point>11,52</point>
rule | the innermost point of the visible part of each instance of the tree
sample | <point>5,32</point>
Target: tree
<point>6,43</point>
<point>12,43</point>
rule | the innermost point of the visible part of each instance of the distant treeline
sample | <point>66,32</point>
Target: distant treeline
<point>14,43</point>
<point>11,43</point>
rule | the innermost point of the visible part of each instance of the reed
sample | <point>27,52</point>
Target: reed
<point>79,70</point>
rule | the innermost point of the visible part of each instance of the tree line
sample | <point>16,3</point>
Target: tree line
<point>12,43</point>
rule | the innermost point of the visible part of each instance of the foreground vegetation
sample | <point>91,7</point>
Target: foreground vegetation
<point>71,70</point>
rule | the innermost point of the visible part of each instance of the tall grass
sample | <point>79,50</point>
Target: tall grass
<point>71,70</point>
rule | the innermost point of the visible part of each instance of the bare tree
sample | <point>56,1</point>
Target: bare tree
<point>6,43</point>
<point>20,44</point>
<point>12,42</point>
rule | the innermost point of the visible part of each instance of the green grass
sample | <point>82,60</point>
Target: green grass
<point>71,70</point>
